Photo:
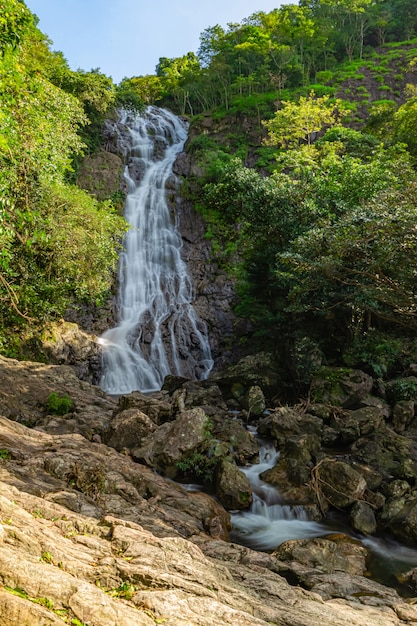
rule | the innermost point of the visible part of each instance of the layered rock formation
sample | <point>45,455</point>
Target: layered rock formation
<point>88,535</point>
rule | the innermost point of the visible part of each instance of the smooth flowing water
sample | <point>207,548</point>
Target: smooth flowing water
<point>158,331</point>
<point>270,522</point>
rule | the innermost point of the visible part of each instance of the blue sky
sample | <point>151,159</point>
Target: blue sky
<point>127,37</point>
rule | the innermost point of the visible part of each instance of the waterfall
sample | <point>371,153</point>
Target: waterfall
<point>158,331</point>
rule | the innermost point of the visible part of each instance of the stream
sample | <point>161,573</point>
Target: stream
<point>270,521</point>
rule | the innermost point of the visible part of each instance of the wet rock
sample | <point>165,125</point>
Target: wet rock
<point>339,483</point>
<point>242,444</point>
<point>290,492</point>
<point>362,518</point>
<point>298,456</point>
<point>340,387</point>
<point>232,486</point>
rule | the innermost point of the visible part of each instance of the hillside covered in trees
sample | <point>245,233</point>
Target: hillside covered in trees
<point>304,137</point>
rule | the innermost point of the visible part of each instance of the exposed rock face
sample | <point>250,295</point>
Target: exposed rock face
<point>215,295</point>
<point>65,343</point>
<point>101,174</point>
<point>87,533</point>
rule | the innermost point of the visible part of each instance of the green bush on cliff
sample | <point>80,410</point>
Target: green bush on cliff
<point>57,404</point>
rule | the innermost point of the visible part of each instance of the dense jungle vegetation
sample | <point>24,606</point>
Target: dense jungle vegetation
<point>304,133</point>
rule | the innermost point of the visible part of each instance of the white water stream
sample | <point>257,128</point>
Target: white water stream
<point>269,523</point>
<point>158,331</point>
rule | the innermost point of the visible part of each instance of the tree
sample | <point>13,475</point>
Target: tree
<point>300,122</point>
<point>15,21</point>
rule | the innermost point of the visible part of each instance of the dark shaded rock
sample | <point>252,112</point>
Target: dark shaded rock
<point>354,424</point>
<point>243,445</point>
<point>205,394</point>
<point>232,486</point>
<point>339,483</point>
<point>253,370</point>
<point>401,389</point>
<point>254,401</point>
<point>340,386</point>
<point>298,456</point>
<point>391,453</point>
<point>400,516</point>
<point>285,422</point>
<point>403,414</point>
<point>362,518</point>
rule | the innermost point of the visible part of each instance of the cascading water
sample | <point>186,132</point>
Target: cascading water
<point>159,332</point>
<point>269,523</point>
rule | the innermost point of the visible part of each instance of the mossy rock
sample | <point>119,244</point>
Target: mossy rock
<point>340,386</point>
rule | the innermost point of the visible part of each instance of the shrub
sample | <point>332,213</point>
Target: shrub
<point>59,405</point>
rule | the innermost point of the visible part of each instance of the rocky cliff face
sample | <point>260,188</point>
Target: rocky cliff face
<point>88,534</point>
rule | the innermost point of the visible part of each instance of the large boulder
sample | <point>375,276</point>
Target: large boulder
<point>157,406</point>
<point>232,486</point>
<point>128,429</point>
<point>253,370</point>
<point>351,425</point>
<point>285,422</point>
<point>174,441</point>
<point>242,444</point>
<point>362,518</point>
<point>340,386</point>
<point>338,483</point>
<point>394,455</point>
<point>400,515</point>
<point>335,553</point>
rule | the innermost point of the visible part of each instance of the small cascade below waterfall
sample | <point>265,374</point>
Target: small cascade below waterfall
<point>269,522</point>
<point>158,331</point>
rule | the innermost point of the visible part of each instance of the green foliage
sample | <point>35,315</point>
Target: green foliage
<point>403,389</point>
<point>15,21</point>
<point>378,352</point>
<point>4,454</point>
<point>59,404</point>
<point>299,122</point>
